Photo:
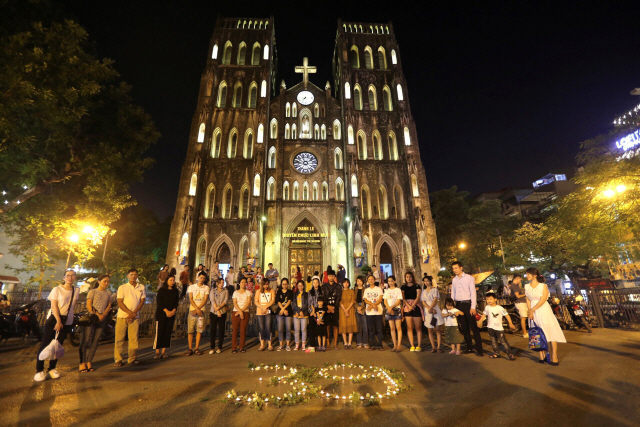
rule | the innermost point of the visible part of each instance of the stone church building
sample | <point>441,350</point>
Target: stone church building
<point>304,176</point>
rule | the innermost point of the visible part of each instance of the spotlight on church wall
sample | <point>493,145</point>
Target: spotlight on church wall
<point>264,218</point>
<point>346,218</point>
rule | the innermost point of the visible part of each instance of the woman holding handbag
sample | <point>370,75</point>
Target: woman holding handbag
<point>167,301</point>
<point>218,314</point>
<point>540,312</point>
<point>265,298</point>
<point>59,322</point>
<point>98,311</point>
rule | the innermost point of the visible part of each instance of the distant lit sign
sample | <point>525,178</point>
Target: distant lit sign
<point>548,179</point>
<point>629,141</point>
<point>595,283</point>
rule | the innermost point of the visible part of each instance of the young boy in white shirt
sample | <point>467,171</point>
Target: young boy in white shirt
<point>494,314</point>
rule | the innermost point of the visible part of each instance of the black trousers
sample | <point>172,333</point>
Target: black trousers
<point>468,321</point>
<point>498,336</point>
<point>48,336</point>
<point>217,329</point>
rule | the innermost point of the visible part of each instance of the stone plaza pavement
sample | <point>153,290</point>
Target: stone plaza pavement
<point>596,384</point>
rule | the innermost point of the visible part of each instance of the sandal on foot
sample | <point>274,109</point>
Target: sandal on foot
<point>189,353</point>
<point>234,351</point>
<point>494,356</point>
<point>438,351</point>
<point>134,362</point>
<point>83,370</point>
<point>118,364</point>
<point>243,351</point>
<point>433,350</point>
<point>198,352</point>
<point>512,357</point>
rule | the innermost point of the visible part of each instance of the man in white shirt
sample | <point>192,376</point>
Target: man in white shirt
<point>372,297</point>
<point>197,294</point>
<point>272,276</point>
<point>131,297</point>
<point>463,292</point>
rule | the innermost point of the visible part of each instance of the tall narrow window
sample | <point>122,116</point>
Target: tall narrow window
<point>294,110</point>
<point>217,142</point>
<point>244,203</point>
<point>248,145</point>
<point>272,158</point>
<point>263,89</point>
<point>338,158</point>
<point>399,202</point>
<point>347,91</point>
<point>210,202</point>
<point>242,53</point>
<point>255,55</point>
<point>193,185</point>
<point>253,95</point>
<point>323,132</point>
<point>295,190</point>
<point>383,203</point>
<point>222,94</point>
<point>386,99</point>
<point>285,190</point>
<point>407,136</point>
<point>287,131</point>
<point>357,98</point>
<point>260,133</point>
<point>368,60</point>
<point>373,101</point>
<point>294,131</point>
<point>316,132</point>
<point>266,51</point>
<point>382,58</point>
<point>256,185</point>
<point>354,57</point>
<point>364,199</point>
<point>274,129</point>
<point>287,110</point>
<point>414,186</point>
<point>376,146</point>
<point>350,135</point>
<point>201,132</point>
<point>400,96</point>
<point>201,250</point>
<point>394,60</point>
<point>316,110</point>
<point>408,256</point>
<point>237,95</point>
<point>233,144</point>
<point>305,191</point>
<point>354,186</point>
<point>214,52</point>
<point>226,57</point>
<point>339,189</point>
<point>362,146</point>
<point>325,191</point>
<point>336,129</point>
<point>393,146</point>
<point>316,191</point>
<point>226,203</point>
<point>271,189</point>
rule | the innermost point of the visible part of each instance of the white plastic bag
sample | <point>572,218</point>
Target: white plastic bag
<point>53,351</point>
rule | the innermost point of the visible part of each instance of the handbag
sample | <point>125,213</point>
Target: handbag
<point>537,339</point>
<point>434,320</point>
<point>53,351</point>
<point>89,319</point>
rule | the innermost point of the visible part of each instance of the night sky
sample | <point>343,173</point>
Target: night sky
<point>502,94</point>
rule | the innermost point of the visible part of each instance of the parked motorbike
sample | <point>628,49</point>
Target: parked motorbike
<point>577,312</point>
<point>22,325</point>
<point>556,307</point>
<point>108,333</point>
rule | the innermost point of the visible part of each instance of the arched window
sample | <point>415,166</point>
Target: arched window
<point>325,191</point>
<point>226,57</point>
<point>226,202</point>
<point>393,146</point>
<point>347,91</point>
<point>222,95</point>
<point>350,135</point>
<point>323,132</point>
<point>414,186</point>
<point>354,57</point>
<point>336,129</point>
<point>266,50</point>
<point>338,158</point>
<point>244,202</point>
<point>274,129</point>
<point>316,111</point>
<point>253,95</point>
<point>408,256</point>
<point>377,146</point>
<point>305,191</point>
<point>247,150</point>
<point>294,131</point>
<point>184,245</point>
<point>368,58</point>
<point>316,132</point>
<point>362,146</point>
<point>339,189</point>
<point>233,144</point>
<point>373,99</point>
<point>255,55</point>
<point>217,142</point>
<point>386,99</point>
<point>296,190</point>
<point>201,250</point>
<point>383,204</point>
<point>272,158</point>
<point>394,60</point>
<point>398,202</point>
<point>214,52</point>
<point>260,133</point>
<point>382,58</point>
<point>242,53</point>
<point>354,186</point>
<point>357,97</point>
<point>365,204</point>
<point>287,110</point>
<point>193,185</point>
<point>237,95</point>
<point>316,191</point>
<point>285,190</point>
<point>294,110</point>
<point>271,189</point>
<point>407,136</point>
<point>256,185</point>
<point>263,89</point>
<point>287,131</point>
<point>201,132</point>
<point>400,96</point>
<point>210,201</point>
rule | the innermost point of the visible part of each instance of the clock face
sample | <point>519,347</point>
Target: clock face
<point>305,97</point>
<point>305,162</point>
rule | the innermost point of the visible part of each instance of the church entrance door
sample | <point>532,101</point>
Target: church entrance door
<point>305,251</point>
<point>386,261</point>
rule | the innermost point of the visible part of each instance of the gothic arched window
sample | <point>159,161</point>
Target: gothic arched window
<point>336,129</point>
<point>368,58</point>
<point>242,53</point>
<point>210,201</point>
<point>272,158</point>
<point>256,185</point>
<point>354,57</point>
<point>193,185</point>
<point>255,55</point>
<point>373,99</point>
<point>357,97</point>
<point>248,144</point>
<point>237,95</point>
<point>214,52</point>
<point>382,58</point>
<point>386,99</point>
<point>253,95</point>
<point>217,141</point>
<point>201,132</point>
<point>233,143</point>
<point>222,95</point>
<point>226,57</point>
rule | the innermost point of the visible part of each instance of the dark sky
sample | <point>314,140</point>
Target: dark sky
<point>502,93</point>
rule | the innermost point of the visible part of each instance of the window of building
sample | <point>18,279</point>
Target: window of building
<point>357,98</point>
<point>354,58</point>
<point>285,190</point>
<point>407,136</point>
<point>316,132</point>
<point>210,201</point>
<point>350,135</point>
<point>222,95</point>
<point>248,144</point>
<point>383,204</point>
<point>386,99</point>
<point>274,129</point>
<point>237,95</point>
<point>272,158</point>
<point>287,131</point>
<point>373,99</point>
<point>377,146</point>
<point>362,146</point>
<point>263,89</point>
<point>354,186</point>
<point>294,131</point>
<point>256,185</point>
<point>255,55</point>
<point>214,52</point>
<point>336,129</point>
<point>398,202</point>
<point>323,132</point>
<point>316,110</point>
<point>271,189</point>
<point>364,200</point>
<point>233,144</point>
<point>339,189</point>
<point>226,202</point>
<point>338,158</point>
<point>295,190</point>
<point>266,50</point>
<point>217,141</point>
<point>347,91</point>
<point>414,186</point>
<point>226,57</point>
<point>244,202</point>
<point>305,191</point>
<point>294,110</point>
<point>253,95</point>
<point>325,191</point>
<point>393,146</point>
<point>394,60</point>
<point>193,185</point>
<point>316,191</point>
<point>408,256</point>
<point>382,58</point>
<point>201,132</point>
<point>287,110</point>
<point>242,53</point>
<point>368,58</point>
<point>400,96</point>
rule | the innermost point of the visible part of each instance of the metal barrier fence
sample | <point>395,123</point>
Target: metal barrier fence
<point>617,307</point>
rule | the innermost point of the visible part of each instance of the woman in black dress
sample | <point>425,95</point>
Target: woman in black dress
<point>412,308</point>
<point>167,304</point>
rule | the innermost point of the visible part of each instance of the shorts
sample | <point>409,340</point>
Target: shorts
<point>413,313</point>
<point>332,319</point>
<point>523,309</point>
<point>452,335</point>
<point>193,324</point>
<point>393,317</point>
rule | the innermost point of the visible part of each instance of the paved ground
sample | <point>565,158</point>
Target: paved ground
<point>596,384</point>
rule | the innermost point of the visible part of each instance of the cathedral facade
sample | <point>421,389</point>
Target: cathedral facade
<point>304,177</point>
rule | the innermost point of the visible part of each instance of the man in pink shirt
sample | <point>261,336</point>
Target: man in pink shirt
<point>463,292</point>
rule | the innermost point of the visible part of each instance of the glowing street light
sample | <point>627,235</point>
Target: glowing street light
<point>608,193</point>
<point>462,245</point>
<point>621,188</point>
<point>87,229</point>
<point>74,238</point>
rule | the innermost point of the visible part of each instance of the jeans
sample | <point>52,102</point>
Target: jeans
<point>264,327</point>
<point>300,325</point>
<point>89,340</point>
<point>282,321</point>
<point>498,336</point>
<point>362,336</point>
<point>468,321</point>
<point>374,325</point>
<point>131,329</point>
<point>217,329</point>
<point>48,336</point>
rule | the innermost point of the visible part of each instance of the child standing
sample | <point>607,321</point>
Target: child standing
<point>494,313</point>
<point>318,323</point>
<point>451,333</point>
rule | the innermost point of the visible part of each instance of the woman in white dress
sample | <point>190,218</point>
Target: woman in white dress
<point>429,298</point>
<point>540,311</point>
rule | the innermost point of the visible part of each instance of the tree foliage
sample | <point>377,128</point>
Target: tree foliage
<point>449,209</point>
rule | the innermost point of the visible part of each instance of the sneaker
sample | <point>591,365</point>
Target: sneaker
<point>54,374</point>
<point>452,352</point>
<point>40,376</point>
<point>218,351</point>
<point>458,353</point>
<point>212,351</point>
<point>288,348</point>
<point>412,348</point>
<point>366,346</point>
<point>279,348</point>
<point>418,349</point>
<point>303,347</point>
<point>359,346</point>
<point>297,347</point>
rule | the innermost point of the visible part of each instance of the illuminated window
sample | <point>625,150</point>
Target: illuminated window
<point>364,201</point>
<point>193,185</point>
<point>237,95</point>
<point>242,53</point>
<point>233,143</point>
<point>274,129</point>
<point>226,57</point>
<point>294,131</point>
<point>362,146</point>
<point>256,185</point>
<point>357,97</point>
<point>373,99</point>
<point>209,206</point>
<point>394,60</point>
<point>350,135</point>
<point>339,189</point>
<point>295,190</point>
<point>354,186</point>
<point>226,202</point>
<point>201,250</point>
<point>393,146</point>
<point>414,186</point>
<point>294,110</point>
<point>382,58</point>
<point>368,58</point>
<point>260,133</point>
<point>287,131</point>
<point>383,204</point>
<point>377,146</point>
<point>255,55</point>
<point>247,150</point>
<point>222,95</point>
<point>214,52</point>
<point>408,256</point>
<point>325,191</point>
<point>285,190</point>
<point>253,95</point>
<point>386,99</point>
<point>244,202</point>
<point>271,189</point>
<point>323,132</point>
<point>316,111</point>
<point>336,129</point>
<point>354,57</point>
<point>201,133</point>
<point>400,96</point>
<point>287,110</point>
<point>217,141</point>
<point>316,132</point>
<point>407,136</point>
<point>263,89</point>
<point>316,191</point>
<point>338,159</point>
<point>272,158</point>
<point>347,91</point>
<point>266,51</point>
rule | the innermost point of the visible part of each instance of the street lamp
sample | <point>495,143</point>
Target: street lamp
<point>73,239</point>
<point>462,245</point>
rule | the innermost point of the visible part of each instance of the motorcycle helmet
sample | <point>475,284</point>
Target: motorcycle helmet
<point>579,298</point>
<point>555,300</point>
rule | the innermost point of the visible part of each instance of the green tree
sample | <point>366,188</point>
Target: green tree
<point>449,209</point>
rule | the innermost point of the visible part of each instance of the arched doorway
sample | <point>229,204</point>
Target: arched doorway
<point>223,257</point>
<point>386,261</point>
<point>305,250</point>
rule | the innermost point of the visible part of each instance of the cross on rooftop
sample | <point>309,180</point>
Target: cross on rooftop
<point>305,69</point>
